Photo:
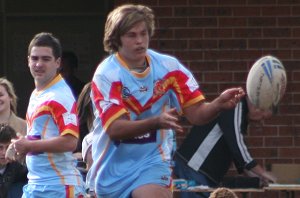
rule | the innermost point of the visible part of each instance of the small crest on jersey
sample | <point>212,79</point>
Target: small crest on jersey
<point>159,88</point>
<point>125,92</point>
<point>143,89</point>
<point>69,118</point>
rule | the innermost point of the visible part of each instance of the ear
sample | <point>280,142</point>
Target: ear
<point>58,62</point>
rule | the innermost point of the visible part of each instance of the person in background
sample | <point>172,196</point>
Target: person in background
<point>85,114</point>
<point>69,64</point>
<point>8,107</point>
<point>138,95</point>
<point>53,127</point>
<point>208,151</point>
<point>12,173</point>
<point>86,117</point>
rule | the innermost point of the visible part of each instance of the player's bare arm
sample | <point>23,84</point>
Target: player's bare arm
<point>59,144</point>
<point>122,128</point>
<point>203,112</point>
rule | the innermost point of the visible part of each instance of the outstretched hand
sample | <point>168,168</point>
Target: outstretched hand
<point>230,97</point>
<point>169,120</point>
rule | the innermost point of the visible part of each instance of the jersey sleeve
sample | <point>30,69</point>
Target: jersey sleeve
<point>66,118</point>
<point>185,86</point>
<point>107,98</point>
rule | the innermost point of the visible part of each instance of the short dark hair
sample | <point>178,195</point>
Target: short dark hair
<point>46,39</point>
<point>7,133</point>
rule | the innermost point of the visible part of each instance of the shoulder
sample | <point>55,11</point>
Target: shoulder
<point>109,68</point>
<point>164,61</point>
<point>109,63</point>
<point>157,56</point>
<point>18,124</point>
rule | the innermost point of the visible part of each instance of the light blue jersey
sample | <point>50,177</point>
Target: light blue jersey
<point>121,166</point>
<point>51,113</point>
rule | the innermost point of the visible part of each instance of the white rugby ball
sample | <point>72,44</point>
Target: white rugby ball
<point>266,83</point>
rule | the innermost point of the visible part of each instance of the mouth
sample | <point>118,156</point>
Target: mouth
<point>140,50</point>
<point>38,72</point>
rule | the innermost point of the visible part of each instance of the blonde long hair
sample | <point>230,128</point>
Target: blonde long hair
<point>11,92</point>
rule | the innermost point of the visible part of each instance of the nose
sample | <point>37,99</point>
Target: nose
<point>39,63</point>
<point>139,39</point>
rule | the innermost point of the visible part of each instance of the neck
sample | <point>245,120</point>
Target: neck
<point>4,116</point>
<point>139,67</point>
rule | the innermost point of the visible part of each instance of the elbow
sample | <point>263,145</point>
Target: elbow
<point>72,147</point>
<point>114,136</point>
<point>71,144</point>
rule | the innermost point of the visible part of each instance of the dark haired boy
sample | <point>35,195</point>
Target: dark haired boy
<point>12,174</point>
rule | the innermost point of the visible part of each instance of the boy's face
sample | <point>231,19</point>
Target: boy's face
<point>43,65</point>
<point>135,44</point>
<point>3,148</point>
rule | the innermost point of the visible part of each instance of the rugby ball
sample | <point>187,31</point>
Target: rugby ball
<point>266,83</point>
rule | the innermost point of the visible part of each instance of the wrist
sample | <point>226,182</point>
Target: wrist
<point>155,123</point>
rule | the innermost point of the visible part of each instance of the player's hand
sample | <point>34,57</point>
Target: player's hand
<point>230,97</point>
<point>11,153</point>
<point>170,120</point>
<point>21,146</point>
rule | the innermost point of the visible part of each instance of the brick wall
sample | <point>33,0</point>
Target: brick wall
<point>220,40</point>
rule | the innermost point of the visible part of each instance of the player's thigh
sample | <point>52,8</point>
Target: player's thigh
<point>151,190</point>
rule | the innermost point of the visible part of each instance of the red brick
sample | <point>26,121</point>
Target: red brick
<point>262,43</point>
<point>246,11</point>
<point>258,129</point>
<point>204,66</point>
<point>203,22</point>
<point>288,21</point>
<point>279,142</point>
<point>172,2</point>
<point>254,141</point>
<point>288,43</point>
<point>185,11</point>
<point>162,11</point>
<point>240,77</point>
<point>232,22</point>
<point>262,21</point>
<point>232,44</point>
<point>276,11</point>
<point>172,22</point>
<point>264,152</point>
<point>203,44</point>
<point>203,2</point>
<point>188,33</point>
<point>218,33</point>
<point>259,2</point>
<point>173,44</point>
<point>296,98</point>
<point>247,32</point>
<point>277,32</point>
<point>217,11</point>
<point>288,109</point>
<point>289,152</point>
<point>233,65</point>
<point>218,77</point>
